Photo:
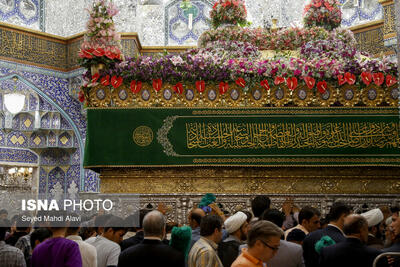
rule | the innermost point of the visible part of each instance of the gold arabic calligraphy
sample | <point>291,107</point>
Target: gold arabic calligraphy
<point>292,135</point>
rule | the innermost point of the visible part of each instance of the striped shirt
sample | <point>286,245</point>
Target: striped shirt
<point>204,254</point>
<point>11,256</point>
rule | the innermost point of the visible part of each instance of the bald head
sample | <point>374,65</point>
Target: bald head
<point>195,216</point>
<point>154,224</point>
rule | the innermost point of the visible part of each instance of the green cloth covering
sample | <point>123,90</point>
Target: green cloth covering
<point>325,241</point>
<point>177,137</point>
<point>207,200</point>
<point>180,239</point>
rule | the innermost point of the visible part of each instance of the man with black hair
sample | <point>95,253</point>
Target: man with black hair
<point>353,251</point>
<point>3,214</point>
<point>204,251</point>
<point>259,204</point>
<point>100,221</point>
<point>88,252</point>
<point>289,254</point>
<point>9,255</point>
<point>194,219</point>
<point>152,252</point>
<point>35,238</point>
<point>308,221</point>
<point>138,237</point>
<point>22,229</point>
<point>107,244</point>
<point>337,214</point>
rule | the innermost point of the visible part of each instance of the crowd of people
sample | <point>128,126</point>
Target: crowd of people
<point>291,237</point>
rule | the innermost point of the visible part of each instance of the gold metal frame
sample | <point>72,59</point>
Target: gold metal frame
<point>139,96</point>
<point>302,102</point>
<point>264,98</point>
<point>234,89</point>
<point>394,102</point>
<point>379,95</point>
<point>349,102</point>
<point>218,97</point>
<point>190,86</point>
<point>117,99</point>
<point>285,98</point>
<point>95,100</point>
<point>166,91</point>
<point>327,102</point>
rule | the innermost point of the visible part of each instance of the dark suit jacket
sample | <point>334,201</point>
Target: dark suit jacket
<point>151,253</point>
<point>132,241</point>
<point>349,253</point>
<point>311,257</point>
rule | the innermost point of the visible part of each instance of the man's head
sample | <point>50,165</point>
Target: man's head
<point>3,214</point>
<point>154,224</point>
<point>395,221</point>
<point>100,222</point>
<point>374,218</point>
<point>195,217</point>
<point>259,204</point>
<point>114,229</point>
<point>236,225</point>
<point>264,239</point>
<point>356,226</point>
<point>275,216</point>
<point>39,235</point>
<point>338,212</point>
<point>309,218</point>
<point>211,227</point>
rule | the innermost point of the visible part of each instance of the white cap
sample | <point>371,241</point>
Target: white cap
<point>234,222</point>
<point>389,221</point>
<point>373,217</point>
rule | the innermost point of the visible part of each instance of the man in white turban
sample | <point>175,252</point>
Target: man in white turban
<point>374,218</point>
<point>236,226</point>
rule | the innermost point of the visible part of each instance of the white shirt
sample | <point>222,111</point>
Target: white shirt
<point>88,252</point>
<point>107,251</point>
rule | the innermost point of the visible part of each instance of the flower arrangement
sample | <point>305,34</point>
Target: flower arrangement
<point>102,42</point>
<point>228,12</point>
<point>323,13</point>
<point>285,39</point>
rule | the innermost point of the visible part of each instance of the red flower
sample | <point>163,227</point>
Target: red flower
<point>81,96</point>
<point>310,82</point>
<point>390,80</point>
<point>109,54</point>
<point>350,78</point>
<point>291,83</point>
<point>178,88</point>
<point>322,86</point>
<point>279,80</point>
<point>265,84</point>
<point>366,77</point>
<point>223,88</point>
<point>379,78</point>
<point>200,86</point>
<point>157,84</point>
<point>317,3</point>
<point>136,86</point>
<point>105,80</point>
<point>341,79</point>
<point>215,5</point>
<point>116,81</point>
<point>241,82</point>
<point>99,52</point>
<point>85,54</point>
<point>328,6</point>
<point>95,77</point>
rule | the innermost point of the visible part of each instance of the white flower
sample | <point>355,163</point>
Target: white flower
<point>176,60</point>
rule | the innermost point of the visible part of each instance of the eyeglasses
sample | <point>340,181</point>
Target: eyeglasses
<point>273,248</point>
